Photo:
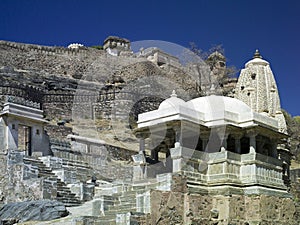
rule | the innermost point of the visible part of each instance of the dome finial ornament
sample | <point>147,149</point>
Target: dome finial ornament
<point>173,94</point>
<point>257,55</point>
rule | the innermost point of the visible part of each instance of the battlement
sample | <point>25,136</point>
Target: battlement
<point>26,95</point>
<point>42,49</point>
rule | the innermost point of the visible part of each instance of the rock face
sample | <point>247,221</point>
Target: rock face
<point>32,211</point>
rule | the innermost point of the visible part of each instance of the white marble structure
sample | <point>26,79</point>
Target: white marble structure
<point>222,144</point>
<point>22,128</point>
<point>257,88</point>
<point>75,46</point>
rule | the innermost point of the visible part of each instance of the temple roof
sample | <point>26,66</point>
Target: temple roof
<point>208,111</point>
<point>173,101</point>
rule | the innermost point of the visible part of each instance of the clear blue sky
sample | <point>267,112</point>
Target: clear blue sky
<point>241,26</point>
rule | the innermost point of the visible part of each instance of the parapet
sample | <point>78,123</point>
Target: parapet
<point>42,49</point>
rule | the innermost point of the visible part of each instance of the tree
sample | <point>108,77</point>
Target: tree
<point>297,119</point>
<point>293,125</point>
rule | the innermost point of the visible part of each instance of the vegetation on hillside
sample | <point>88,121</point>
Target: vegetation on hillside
<point>293,125</point>
<point>99,47</point>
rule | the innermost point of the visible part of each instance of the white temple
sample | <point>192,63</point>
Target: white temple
<point>222,144</point>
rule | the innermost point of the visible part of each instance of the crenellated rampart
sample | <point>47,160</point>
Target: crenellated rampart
<point>42,49</point>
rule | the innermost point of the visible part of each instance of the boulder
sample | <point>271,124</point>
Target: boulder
<point>41,210</point>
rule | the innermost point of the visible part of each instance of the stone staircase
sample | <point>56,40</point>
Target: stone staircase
<point>125,202</point>
<point>64,194</point>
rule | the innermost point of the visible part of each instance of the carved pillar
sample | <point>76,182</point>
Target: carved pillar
<point>178,135</point>
<point>252,135</point>
<point>154,154</point>
<point>224,142</point>
<point>204,135</point>
<point>274,143</point>
<point>237,142</point>
<point>204,143</point>
<point>142,145</point>
<point>142,136</point>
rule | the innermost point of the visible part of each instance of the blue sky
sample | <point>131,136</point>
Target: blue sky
<point>240,26</point>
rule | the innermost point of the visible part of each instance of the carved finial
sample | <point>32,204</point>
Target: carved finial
<point>174,94</point>
<point>257,55</point>
<point>212,90</point>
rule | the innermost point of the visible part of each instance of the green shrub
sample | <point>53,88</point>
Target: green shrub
<point>99,47</point>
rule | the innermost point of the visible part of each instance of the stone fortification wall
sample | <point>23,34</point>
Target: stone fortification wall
<point>41,49</point>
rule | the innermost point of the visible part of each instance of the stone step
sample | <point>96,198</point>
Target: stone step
<point>107,220</point>
<point>46,174</point>
<point>76,164</point>
<point>126,207</point>
<point>63,188</point>
<point>194,180</point>
<point>69,202</point>
<point>64,193</point>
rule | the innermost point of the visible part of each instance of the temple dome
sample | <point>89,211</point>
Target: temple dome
<point>213,103</point>
<point>172,102</point>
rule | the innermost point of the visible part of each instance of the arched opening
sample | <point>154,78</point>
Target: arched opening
<point>146,104</point>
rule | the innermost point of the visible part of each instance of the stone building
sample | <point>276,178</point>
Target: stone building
<point>115,45</point>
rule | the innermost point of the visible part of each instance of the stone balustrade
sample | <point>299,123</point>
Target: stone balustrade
<point>228,168</point>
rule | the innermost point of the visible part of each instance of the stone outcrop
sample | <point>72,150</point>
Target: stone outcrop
<point>41,210</point>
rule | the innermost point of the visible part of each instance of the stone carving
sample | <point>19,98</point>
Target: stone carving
<point>257,87</point>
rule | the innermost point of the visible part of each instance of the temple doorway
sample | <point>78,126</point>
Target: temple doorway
<point>24,139</point>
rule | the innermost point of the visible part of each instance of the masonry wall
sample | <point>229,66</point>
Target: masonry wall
<point>13,186</point>
<point>181,207</point>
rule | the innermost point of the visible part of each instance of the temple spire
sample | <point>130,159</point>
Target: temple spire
<point>257,55</point>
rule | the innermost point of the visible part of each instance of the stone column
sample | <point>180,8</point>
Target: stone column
<point>142,145</point>
<point>204,137</point>
<point>154,154</point>
<point>141,137</point>
<point>204,143</point>
<point>178,136</point>
<point>224,142</point>
<point>237,142</point>
<point>274,143</point>
<point>252,135</point>
<point>140,167</point>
